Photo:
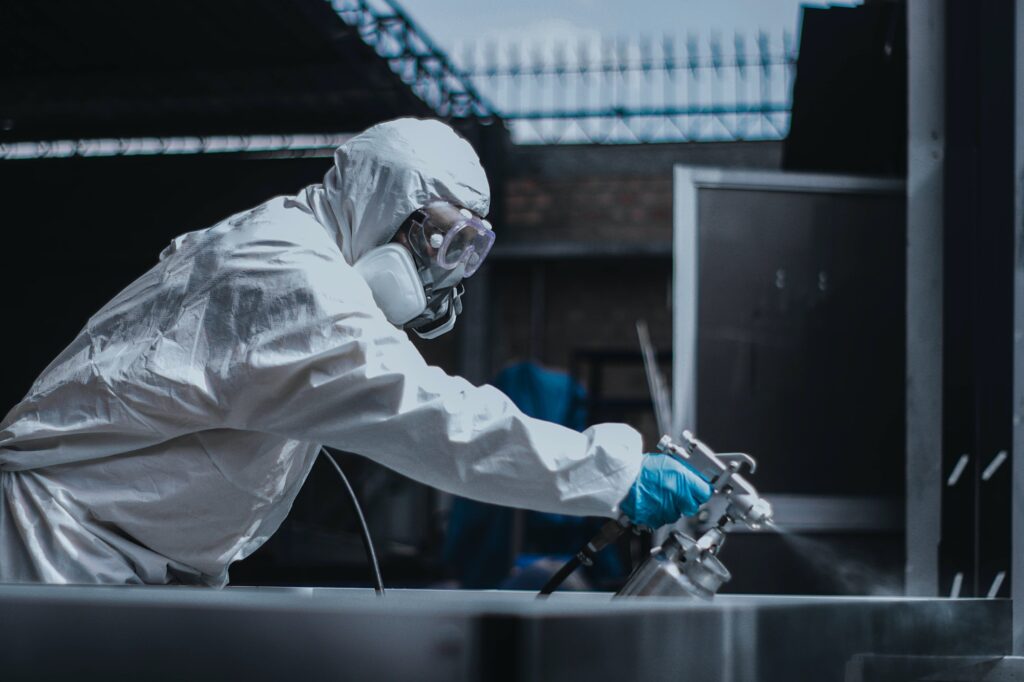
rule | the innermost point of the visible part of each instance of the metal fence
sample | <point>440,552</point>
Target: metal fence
<point>638,90</point>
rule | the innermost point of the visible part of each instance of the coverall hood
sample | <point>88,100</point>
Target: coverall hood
<point>382,175</point>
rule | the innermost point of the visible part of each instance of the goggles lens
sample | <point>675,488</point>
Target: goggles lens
<point>468,243</point>
<point>454,237</point>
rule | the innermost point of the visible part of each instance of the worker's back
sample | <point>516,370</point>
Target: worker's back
<point>125,462</point>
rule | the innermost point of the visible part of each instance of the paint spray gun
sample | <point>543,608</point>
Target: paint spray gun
<point>683,566</point>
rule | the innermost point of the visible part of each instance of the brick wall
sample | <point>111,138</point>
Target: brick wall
<point>623,208</point>
<point>620,193</point>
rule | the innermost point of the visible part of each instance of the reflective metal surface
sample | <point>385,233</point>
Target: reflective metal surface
<point>872,668</point>
<point>679,568</point>
<point>305,633</point>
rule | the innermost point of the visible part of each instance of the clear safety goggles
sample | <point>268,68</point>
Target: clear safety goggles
<point>451,236</point>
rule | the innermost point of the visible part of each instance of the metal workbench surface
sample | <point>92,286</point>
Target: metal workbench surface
<point>311,633</point>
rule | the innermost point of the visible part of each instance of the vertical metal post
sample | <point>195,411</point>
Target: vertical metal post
<point>926,139</point>
<point>684,296</point>
<point>1017,487</point>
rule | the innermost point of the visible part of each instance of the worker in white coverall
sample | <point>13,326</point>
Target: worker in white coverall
<point>172,436</point>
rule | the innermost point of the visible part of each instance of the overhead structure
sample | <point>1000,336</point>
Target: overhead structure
<point>415,58</point>
<point>627,91</point>
<point>72,70</point>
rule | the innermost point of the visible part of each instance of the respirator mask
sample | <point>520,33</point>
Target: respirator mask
<point>416,279</point>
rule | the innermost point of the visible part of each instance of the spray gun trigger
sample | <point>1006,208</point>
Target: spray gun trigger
<point>736,460</point>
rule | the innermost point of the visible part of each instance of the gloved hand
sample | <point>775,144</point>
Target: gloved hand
<point>665,490</point>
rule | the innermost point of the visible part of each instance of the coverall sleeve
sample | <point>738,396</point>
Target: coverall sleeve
<point>338,373</point>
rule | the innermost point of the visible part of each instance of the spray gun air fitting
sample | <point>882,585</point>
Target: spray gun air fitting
<point>682,566</point>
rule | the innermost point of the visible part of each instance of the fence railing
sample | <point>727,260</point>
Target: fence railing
<point>637,90</point>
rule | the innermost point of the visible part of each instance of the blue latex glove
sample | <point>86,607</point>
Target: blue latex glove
<point>665,490</point>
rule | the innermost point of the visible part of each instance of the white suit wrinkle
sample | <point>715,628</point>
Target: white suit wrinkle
<point>172,435</point>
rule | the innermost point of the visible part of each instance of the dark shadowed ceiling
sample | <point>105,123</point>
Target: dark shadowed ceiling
<point>73,69</point>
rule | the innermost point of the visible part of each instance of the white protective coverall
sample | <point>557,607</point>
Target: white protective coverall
<point>172,436</point>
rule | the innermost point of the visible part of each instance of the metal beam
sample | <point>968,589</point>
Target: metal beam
<point>1017,487</point>
<point>890,668</point>
<point>415,58</point>
<point>926,139</point>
